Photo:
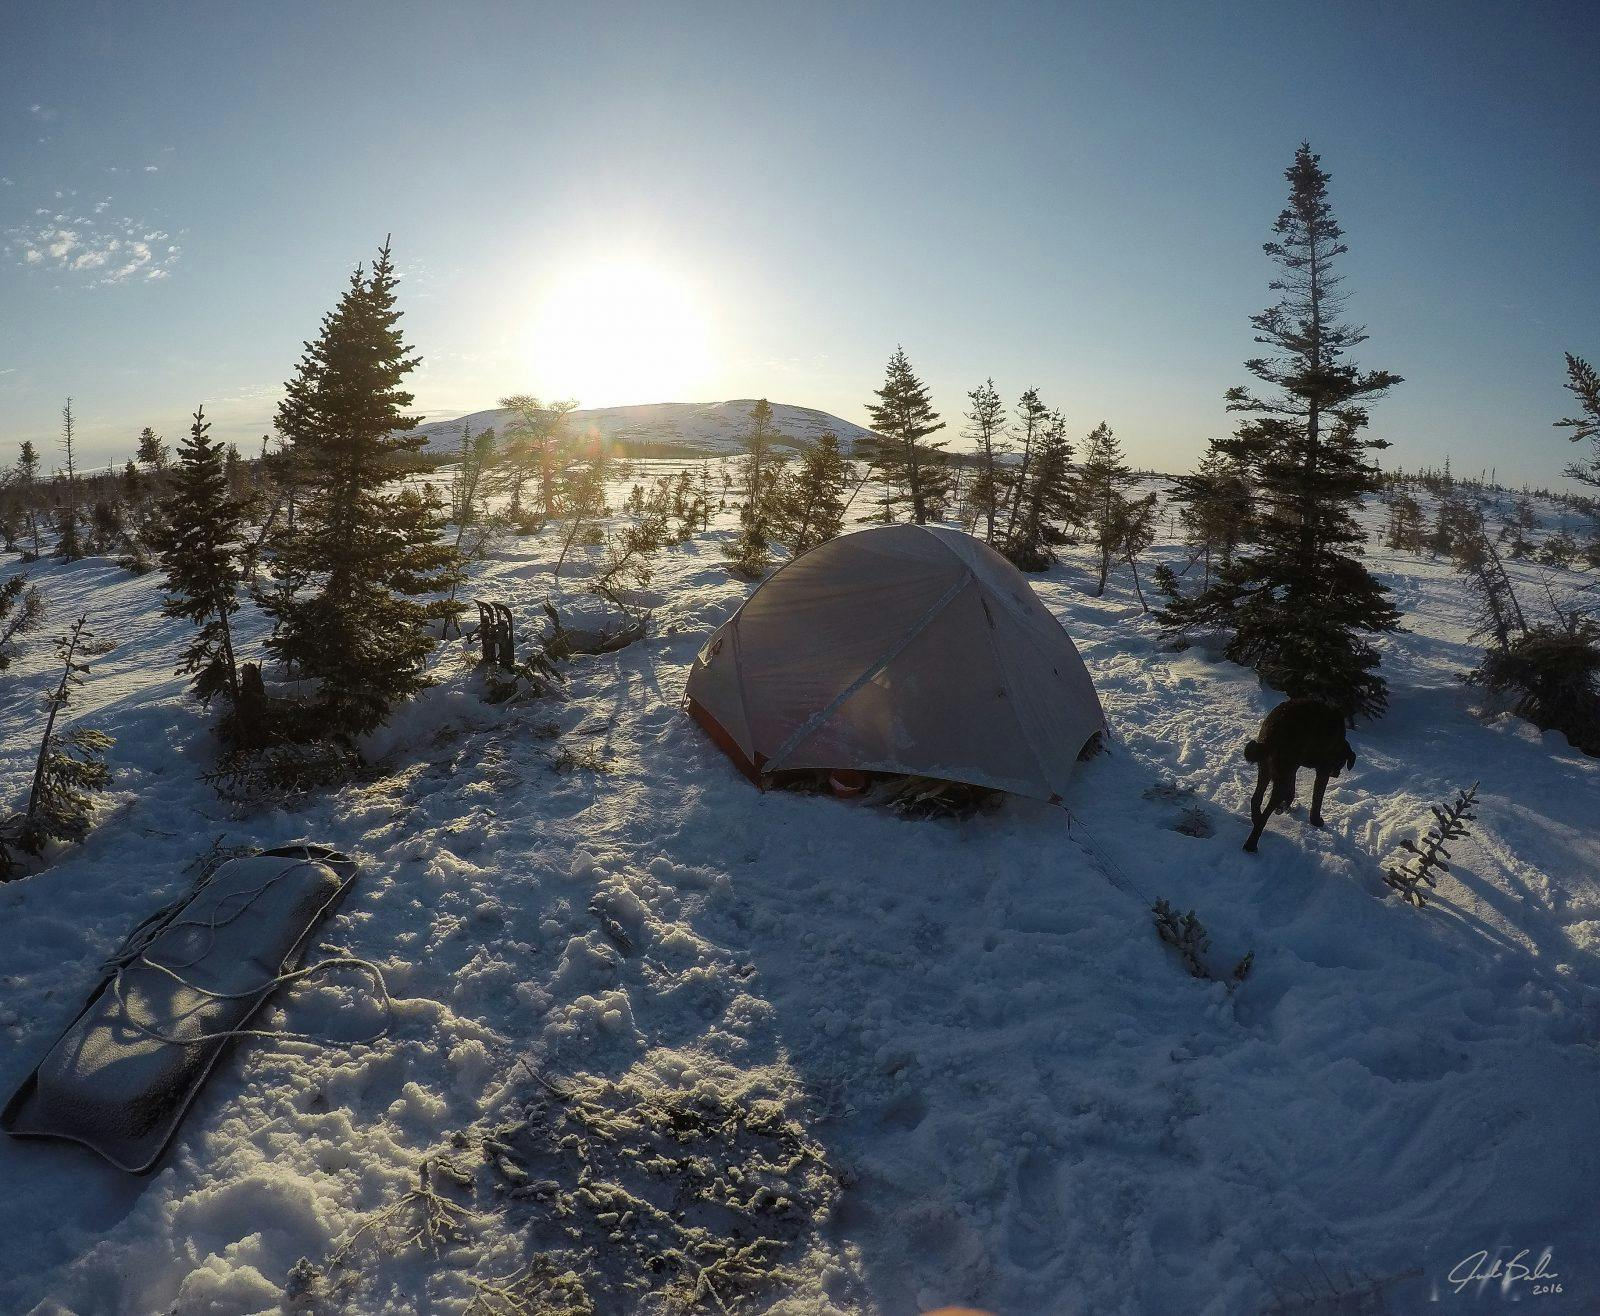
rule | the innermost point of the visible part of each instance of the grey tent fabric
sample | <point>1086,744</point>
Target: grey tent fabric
<point>186,980</point>
<point>916,650</point>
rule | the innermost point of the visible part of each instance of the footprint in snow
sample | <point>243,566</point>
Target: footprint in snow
<point>905,1112</point>
<point>1036,1215</point>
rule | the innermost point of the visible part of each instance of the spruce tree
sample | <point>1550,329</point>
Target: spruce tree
<point>237,473</point>
<point>537,446</point>
<point>761,466</point>
<point>1405,525</point>
<point>1045,497</point>
<point>1032,415</point>
<point>27,482</point>
<point>1132,532</point>
<point>902,419</point>
<point>811,502</point>
<point>153,452</point>
<point>1214,508</point>
<point>1583,381</point>
<point>106,529</point>
<point>69,543</point>
<point>760,477</point>
<point>986,427</point>
<point>201,553</point>
<point>364,550</point>
<point>1100,492</point>
<point>1499,611</point>
<point>1298,600</point>
<point>477,456</point>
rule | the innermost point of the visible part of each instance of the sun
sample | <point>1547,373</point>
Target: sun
<point>617,332</point>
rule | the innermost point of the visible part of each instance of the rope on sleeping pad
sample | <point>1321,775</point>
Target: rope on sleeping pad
<point>136,945</point>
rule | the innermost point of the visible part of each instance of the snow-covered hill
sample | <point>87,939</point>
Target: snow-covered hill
<point>1008,1093</point>
<point>659,428</point>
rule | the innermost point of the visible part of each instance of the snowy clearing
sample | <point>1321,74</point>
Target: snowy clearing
<point>953,1056</point>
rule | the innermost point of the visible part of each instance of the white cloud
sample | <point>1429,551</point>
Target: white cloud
<point>100,248</point>
<point>150,169</point>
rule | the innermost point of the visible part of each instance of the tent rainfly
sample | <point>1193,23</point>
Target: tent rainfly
<point>915,650</point>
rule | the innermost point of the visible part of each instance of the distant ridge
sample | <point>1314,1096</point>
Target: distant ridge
<point>713,428</point>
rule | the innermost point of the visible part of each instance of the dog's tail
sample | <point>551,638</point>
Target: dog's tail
<point>1252,751</point>
<point>1349,755</point>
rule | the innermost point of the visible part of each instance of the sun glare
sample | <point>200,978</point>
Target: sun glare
<point>620,332</point>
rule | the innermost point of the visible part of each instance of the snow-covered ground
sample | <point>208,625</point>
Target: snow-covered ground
<point>1008,1091</point>
<point>711,427</point>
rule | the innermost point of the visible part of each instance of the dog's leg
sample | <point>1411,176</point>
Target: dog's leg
<point>1316,797</point>
<point>1288,785</point>
<point>1258,816</point>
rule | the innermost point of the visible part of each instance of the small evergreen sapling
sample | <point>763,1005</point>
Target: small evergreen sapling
<point>1450,824</point>
<point>986,427</point>
<point>811,502</point>
<point>626,564</point>
<point>21,610</point>
<point>1187,935</point>
<point>202,555</point>
<point>1405,531</point>
<point>580,502</point>
<point>1135,531</point>
<point>153,452</point>
<point>26,480</point>
<point>1499,610</point>
<point>1214,503</point>
<point>1100,493</point>
<point>69,544</point>
<point>70,769</point>
<point>1553,671</point>
<point>761,478</point>
<point>1558,550</point>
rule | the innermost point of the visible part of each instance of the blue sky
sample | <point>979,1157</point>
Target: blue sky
<point>1065,197</point>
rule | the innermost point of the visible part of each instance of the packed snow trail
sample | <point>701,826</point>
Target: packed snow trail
<point>1028,1105</point>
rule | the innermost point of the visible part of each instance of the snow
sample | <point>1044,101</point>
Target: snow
<point>1017,1098</point>
<point>689,427</point>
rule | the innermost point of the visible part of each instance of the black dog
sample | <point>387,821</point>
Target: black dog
<point>1299,733</point>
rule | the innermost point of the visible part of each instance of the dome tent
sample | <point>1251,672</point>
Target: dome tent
<point>915,650</point>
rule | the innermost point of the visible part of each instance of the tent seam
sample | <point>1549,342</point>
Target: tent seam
<point>820,719</point>
<point>1016,712</point>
